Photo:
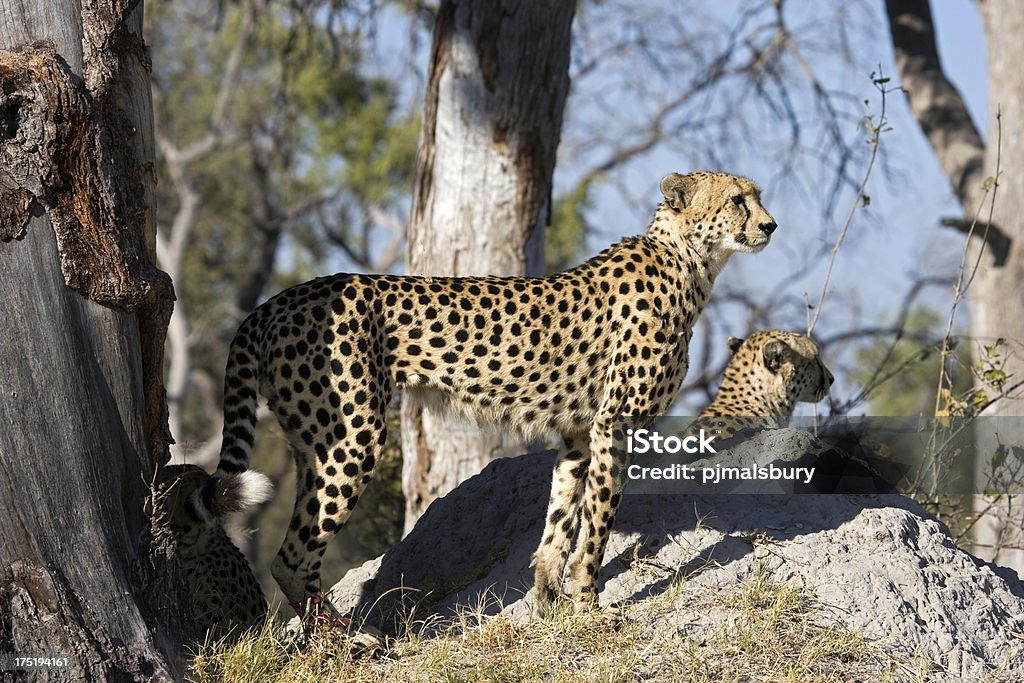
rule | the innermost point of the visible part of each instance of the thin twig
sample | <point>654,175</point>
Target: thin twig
<point>961,286</point>
<point>858,200</point>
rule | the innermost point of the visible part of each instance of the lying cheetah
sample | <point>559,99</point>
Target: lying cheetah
<point>769,373</point>
<point>565,353</point>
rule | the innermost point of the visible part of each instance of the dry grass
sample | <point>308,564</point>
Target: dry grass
<point>765,632</point>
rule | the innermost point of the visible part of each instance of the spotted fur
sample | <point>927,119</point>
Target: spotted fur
<point>225,595</point>
<point>769,373</point>
<point>565,353</point>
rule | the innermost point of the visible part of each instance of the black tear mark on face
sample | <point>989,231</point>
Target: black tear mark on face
<point>774,354</point>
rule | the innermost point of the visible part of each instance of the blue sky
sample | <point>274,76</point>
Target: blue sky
<point>962,50</point>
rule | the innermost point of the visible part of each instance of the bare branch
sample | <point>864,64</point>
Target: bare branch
<point>963,278</point>
<point>876,130</point>
<point>997,240</point>
<point>229,84</point>
<point>655,131</point>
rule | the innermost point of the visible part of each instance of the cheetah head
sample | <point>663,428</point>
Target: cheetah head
<point>176,485</point>
<point>177,488</point>
<point>716,213</point>
<point>783,365</point>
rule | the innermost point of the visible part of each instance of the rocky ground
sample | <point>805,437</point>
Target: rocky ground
<point>875,567</point>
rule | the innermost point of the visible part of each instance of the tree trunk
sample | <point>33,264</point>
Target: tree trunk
<point>85,311</point>
<point>499,76</point>
<point>996,300</point>
<point>996,305</point>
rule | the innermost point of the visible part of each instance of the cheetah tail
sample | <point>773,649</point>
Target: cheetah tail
<point>233,487</point>
<point>225,493</point>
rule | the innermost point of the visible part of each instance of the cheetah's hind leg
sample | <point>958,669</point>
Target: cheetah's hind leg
<point>336,452</point>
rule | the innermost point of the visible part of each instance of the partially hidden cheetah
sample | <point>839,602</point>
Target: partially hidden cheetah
<point>769,373</point>
<point>224,593</point>
<point>565,354</point>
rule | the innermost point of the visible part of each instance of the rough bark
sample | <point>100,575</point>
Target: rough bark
<point>482,197</point>
<point>81,353</point>
<point>996,302</point>
<point>996,307</point>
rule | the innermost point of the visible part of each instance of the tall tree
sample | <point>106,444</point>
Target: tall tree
<point>81,396</point>
<point>496,90</point>
<point>996,307</point>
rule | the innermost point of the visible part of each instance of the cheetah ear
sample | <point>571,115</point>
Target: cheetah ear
<point>774,354</point>
<point>735,343</point>
<point>678,190</point>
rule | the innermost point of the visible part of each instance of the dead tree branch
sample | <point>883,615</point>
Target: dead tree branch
<point>934,100</point>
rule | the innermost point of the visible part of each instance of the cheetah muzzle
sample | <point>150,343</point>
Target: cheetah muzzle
<point>566,353</point>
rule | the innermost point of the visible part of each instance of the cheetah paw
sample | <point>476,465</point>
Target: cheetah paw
<point>611,615</point>
<point>364,640</point>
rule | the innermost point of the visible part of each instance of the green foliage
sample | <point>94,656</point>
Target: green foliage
<point>307,147</point>
<point>566,236</point>
<point>306,131</point>
<point>992,363</point>
<point>307,151</point>
<point>990,376</point>
<point>904,374</point>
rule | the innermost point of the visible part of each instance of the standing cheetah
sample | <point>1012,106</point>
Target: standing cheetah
<point>566,353</point>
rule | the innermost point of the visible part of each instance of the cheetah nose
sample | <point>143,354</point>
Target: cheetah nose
<point>830,378</point>
<point>768,228</point>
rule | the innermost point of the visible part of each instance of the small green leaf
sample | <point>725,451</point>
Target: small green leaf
<point>995,377</point>
<point>978,398</point>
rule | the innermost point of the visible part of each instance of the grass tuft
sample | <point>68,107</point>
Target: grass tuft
<point>757,631</point>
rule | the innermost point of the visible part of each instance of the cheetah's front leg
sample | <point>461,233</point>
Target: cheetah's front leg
<point>642,382</point>
<point>563,517</point>
<point>601,499</point>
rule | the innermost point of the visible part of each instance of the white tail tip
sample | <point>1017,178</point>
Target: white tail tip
<point>253,488</point>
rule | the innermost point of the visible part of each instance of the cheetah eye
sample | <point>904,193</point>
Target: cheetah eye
<point>739,200</point>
